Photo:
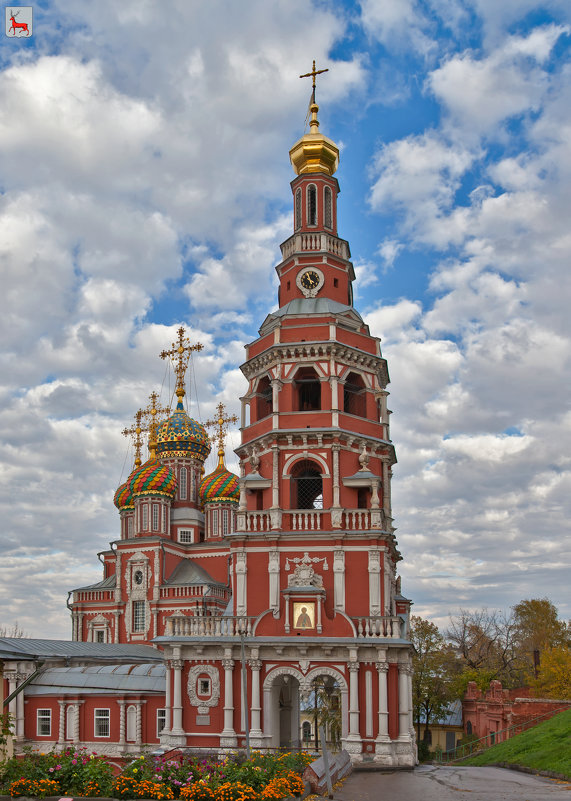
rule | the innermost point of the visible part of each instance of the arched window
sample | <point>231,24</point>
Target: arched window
<point>298,210</point>
<point>354,395</point>
<point>307,486</point>
<point>468,727</point>
<point>264,399</point>
<point>306,730</point>
<point>131,724</point>
<point>307,390</point>
<point>183,484</point>
<point>327,208</point>
<point>311,205</point>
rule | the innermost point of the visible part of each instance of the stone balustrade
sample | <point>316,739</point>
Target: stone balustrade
<point>209,626</point>
<point>315,242</point>
<point>378,627</point>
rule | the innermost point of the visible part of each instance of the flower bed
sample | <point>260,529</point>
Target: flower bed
<point>264,777</point>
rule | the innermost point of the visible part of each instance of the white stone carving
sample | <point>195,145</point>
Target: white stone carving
<point>214,675</point>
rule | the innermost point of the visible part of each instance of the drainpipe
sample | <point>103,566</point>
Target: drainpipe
<point>25,683</point>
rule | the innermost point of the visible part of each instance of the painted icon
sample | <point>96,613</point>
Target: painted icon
<point>19,21</point>
<point>304,615</point>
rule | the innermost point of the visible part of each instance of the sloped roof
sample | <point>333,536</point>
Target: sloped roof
<point>24,648</point>
<point>189,572</point>
<point>106,584</point>
<point>304,306</point>
<point>97,679</point>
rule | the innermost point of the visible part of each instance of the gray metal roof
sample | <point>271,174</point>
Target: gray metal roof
<point>106,584</point>
<point>189,572</point>
<point>311,306</point>
<point>24,648</point>
<point>97,679</point>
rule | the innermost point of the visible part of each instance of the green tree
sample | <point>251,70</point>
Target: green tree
<point>537,628</point>
<point>554,676</point>
<point>434,664</point>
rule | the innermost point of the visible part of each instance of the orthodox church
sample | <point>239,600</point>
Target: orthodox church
<point>238,596</point>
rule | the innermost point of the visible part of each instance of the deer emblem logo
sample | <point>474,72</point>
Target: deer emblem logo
<point>19,21</point>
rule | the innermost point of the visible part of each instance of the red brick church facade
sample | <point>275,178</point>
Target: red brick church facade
<point>289,569</point>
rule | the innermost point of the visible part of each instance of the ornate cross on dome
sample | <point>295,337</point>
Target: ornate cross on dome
<point>151,412</point>
<point>312,74</point>
<point>180,355</point>
<point>222,422</point>
<point>136,431</point>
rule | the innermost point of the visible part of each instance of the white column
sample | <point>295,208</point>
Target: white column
<point>139,722</point>
<point>240,570</point>
<point>12,684</point>
<point>368,703</point>
<point>228,665</point>
<point>274,581</point>
<point>339,579</point>
<point>177,665</point>
<point>275,477</point>
<point>354,700</point>
<point>20,711</point>
<point>255,667</point>
<point>76,732</point>
<point>121,722</point>
<point>403,702</point>
<point>168,714</point>
<point>61,732</point>
<point>383,671</point>
<point>276,384</point>
<point>374,583</point>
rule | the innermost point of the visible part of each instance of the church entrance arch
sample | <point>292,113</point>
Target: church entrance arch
<point>324,703</point>
<point>281,707</point>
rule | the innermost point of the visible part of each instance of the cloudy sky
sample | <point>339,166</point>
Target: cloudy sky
<point>144,183</point>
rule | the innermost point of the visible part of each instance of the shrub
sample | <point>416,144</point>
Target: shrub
<point>33,787</point>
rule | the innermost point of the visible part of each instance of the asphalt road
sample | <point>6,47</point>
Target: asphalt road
<point>451,783</point>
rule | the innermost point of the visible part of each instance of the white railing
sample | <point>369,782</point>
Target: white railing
<point>186,626</point>
<point>356,519</point>
<point>306,520</point>
<point>192,590</point>
<point>94,595</point>
<point>258,521</point>
<point>378,627</point>
<point>315,242</point>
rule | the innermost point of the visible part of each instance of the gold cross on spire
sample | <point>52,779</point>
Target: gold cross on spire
<point>180,356</point>
<point>151,412</point>
<point>222,422</point>
<point>313,74</point>
<point>136,431</point>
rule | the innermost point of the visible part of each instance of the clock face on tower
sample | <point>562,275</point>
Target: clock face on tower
<point>310,281</point>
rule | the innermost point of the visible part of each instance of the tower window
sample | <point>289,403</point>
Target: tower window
<point>183,484</point>
<point>354,396</point>
<point>307,390</point>
<point>156,518</point>
<point>298,210</point>
<point>138,616</point>
<point>327,210</point>
<point>307,486</point>
<point>225,526</point>
<point>214,522</point>
<point>264,398</point>
<point>145,517</point>
<point>130,526</point>
<point>311,205</point>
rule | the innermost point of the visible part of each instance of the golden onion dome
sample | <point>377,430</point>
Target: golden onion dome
<point>314,152</point>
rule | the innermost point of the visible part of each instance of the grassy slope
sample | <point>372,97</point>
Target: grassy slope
<point>545,747</point>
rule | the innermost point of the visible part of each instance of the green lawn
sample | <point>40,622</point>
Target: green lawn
<point>545,747</point>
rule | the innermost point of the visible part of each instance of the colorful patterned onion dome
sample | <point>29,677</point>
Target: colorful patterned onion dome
<point>180,435</point>
<point>221,485</point>
<point>153,478</point>
<point>123,498</point>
